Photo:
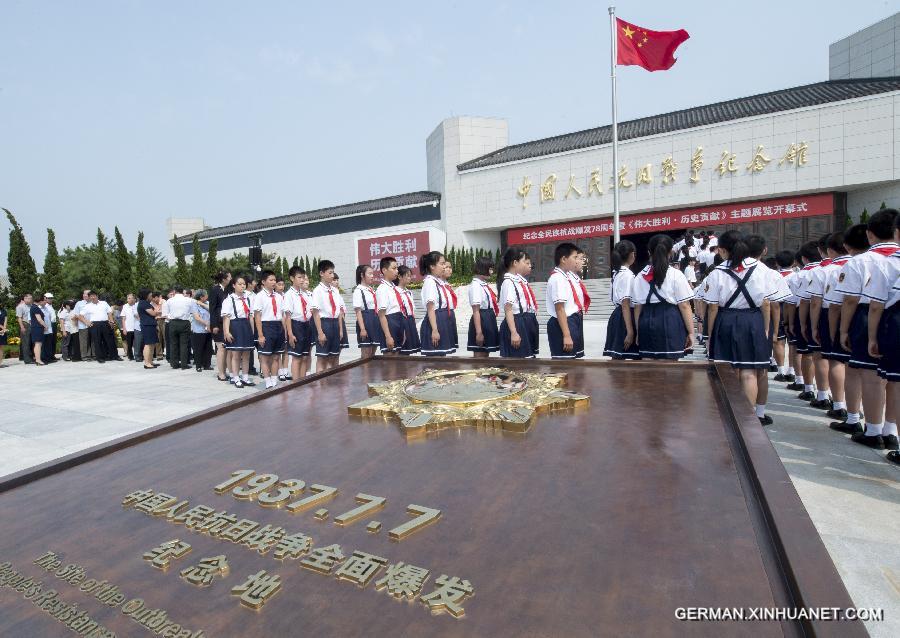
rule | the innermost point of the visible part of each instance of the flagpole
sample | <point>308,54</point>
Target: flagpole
<point>615,124</point>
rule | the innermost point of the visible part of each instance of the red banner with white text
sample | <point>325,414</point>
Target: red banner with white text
<point>405,248</point>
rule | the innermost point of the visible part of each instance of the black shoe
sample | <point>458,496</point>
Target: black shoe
<point>779,377</point>
<point>199,369</point>
<point>790,378</point>
<point>176,367</point>
<point>773,367</point>
<point>238,383</point>
<point>806,396</point>
<point>794,386</point>
<point>847,428</point>
<point>765,420</point>
<point>288,377</point>
<point>875,441</point>
<point>837,414</point>
<point>101,360</point>
<point>281,377</point>
<point>893,457</point>
<point>820,404</point>
<point>207,368</point>
<point>118,359</point>
<point>250,383</point>
<point>891,442</point>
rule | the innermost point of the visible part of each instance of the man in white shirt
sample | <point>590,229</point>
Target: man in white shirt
<point>129,319</point>
<point>23,316</point>
<point>178,308</point>
<point>85,347</point>
<point>98,316</point>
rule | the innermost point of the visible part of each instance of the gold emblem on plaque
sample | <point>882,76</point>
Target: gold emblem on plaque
<point>491,397</point>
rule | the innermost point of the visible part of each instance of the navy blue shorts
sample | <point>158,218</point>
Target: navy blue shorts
<point>334,343</point>
<point>889,344</point>
<point>799,342</point>
<point>303,332</point>
<point>555,337</point>
<point>859,340</point>
<point>397,327</point>
<point>273,331</point>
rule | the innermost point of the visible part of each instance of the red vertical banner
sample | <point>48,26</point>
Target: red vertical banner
<point>405,248</point>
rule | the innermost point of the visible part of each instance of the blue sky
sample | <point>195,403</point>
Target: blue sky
<point>129,112</point>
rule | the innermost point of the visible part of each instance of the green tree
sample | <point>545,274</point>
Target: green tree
<point>124,281</point>
<point>883,206</point>
<point>212,263</point>
<point>20,269</point>
<point>52,280</point>
<point>296,263</point>
<point>142,275</point>
<point>101,275</point>
<point>864,217</point>
<point>198,266</point>
<point>182,274</point>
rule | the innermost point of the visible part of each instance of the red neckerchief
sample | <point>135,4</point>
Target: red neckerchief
<point>374,298</point>
<point>648,276</point>
<point>399,299</point>
<point>331,299</point>
<point>885,249</point>
<point>246,307</point>
<point>811,265</point>
<point>824,262</point>
<point>840,261</point>
<point>585,295</point>
<point>412,307</point>
<point>572,286</point>
<point>274,305</point>
<point>529,293</point>
<point>452,294</point>
<point>442,293</point>
<point>493,297</point>
<point>299,293</point>
<point>785,273</point>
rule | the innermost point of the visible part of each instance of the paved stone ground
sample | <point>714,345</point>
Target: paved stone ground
<point>851,493</point>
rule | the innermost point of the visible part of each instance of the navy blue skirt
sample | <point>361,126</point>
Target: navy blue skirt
<point>446,327</point>
<point>739,338</point>
<point>889,344</point>
<point>334,342</point>
<point>397,327</point>
<point>615,338</point>
<point>527,327</point>
<point>373,330</point>
<point>304,333</point>
<point>859,340</point>
<point>454,331</point>
<point>661,331</point>
<point>273,331</point>
<point>555,337</point>
<point>411,344</point>
<point>488,329</point>
<point>37,332</point>
<point>241,333</point>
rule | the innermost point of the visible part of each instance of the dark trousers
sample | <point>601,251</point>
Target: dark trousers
<point>48,353</point>
<point>129,345</point>
<point>168,342</point>
<point>103,341</point>
<point>179,339</point>
<point>26,349</point>
<point>65,349</point>
<point>201,343</point>
<point>137,345</point>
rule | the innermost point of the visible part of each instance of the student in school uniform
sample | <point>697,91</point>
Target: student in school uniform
<point>856,242</point>
<point>297,324</point>
<point>565,305</point>
<point>453,301</point>
<point>284,364</point>
<point>884,339</point>
<point>854,334</point>
<point>738,293</point>
<point>365,305</point>
<point>825,329</point>
<point>484,337</point>
<point>146,317</point>
<point>327,311</point>
<point>810,258</point>
<point>782,265</point>
<point>237,313</point>
<point>437,329</point>
<point>391,309</point>
<point>829,382</point>
<point>268,315</point>
<point>758,249</point>
<point>796,345</point>
<point>810,307</point>
<point>662,305</point>
<point>411,343</point>
<point>519,328</point>
<point>620,329</point>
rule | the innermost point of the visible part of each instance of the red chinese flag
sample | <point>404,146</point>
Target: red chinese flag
<point>653,50</point>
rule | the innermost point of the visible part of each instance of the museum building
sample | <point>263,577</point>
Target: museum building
<point>791,165</point>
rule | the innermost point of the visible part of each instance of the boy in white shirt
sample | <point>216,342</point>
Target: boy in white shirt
<point>268,313</point>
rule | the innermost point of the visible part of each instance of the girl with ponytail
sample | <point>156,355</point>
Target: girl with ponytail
<point>662,299</point>
<point>620,330</point>
<point>436,331</point>
<point>737,295</point>
<point>519,330</point>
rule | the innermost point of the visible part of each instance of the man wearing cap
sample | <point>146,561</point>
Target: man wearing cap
<point>48,351</point>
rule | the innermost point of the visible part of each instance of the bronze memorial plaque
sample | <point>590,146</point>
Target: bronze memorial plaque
<point>414,497</point>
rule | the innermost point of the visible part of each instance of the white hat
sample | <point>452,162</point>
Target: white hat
<point>48,295</point>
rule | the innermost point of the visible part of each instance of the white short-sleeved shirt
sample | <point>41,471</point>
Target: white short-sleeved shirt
<point>262,305</point>
<point>794,281</point>
<point>819,280</point>
<point>297,304</point>
<point>707,257</point>
<point>621,285</point>
<point>514,293</point>
<point>364,298</point>
<point>434,291</point>
<point>561,287</point>
<point>804,279</point>
<point>721,285</point>
<point>713,240</point>
<point>235,307</point>
<point>164,310</point>
<point>129,314</point>
<point>894,297</point>
<point>322,298</point>
<point>78,310</point>
<point>878,288</point>
<point>830,295</point>
<point>674,290</point>
<point>778,284</point>
<point>690,274</point>
<point>389,298</point>
<point>482,295</point>
<point>97,311</point>
<point>857,272</point>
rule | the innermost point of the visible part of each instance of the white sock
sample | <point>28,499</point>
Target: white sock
<point>840,405</point>
<point>873,429</point>
<point>852,417</point>
<point>808,387</point>
<point>889,429</point>
<point>791,370</point>
<point>760,410</point>
<point>783,369</point>
<point>821,394</point>
<point>245,377</point>
<point>771,360</point>
<point>799,379</point>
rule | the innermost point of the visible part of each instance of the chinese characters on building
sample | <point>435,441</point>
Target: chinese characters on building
<point>405,248</point>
